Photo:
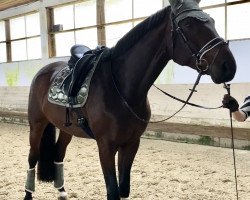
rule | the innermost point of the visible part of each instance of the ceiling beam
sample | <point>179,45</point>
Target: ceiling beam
<point>6,4</point>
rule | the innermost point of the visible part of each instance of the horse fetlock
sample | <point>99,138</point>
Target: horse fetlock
<point>30,182</point>
<point>63,196</point>
<point>28,196</point>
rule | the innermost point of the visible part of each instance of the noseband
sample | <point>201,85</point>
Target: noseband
<point>198,55</point>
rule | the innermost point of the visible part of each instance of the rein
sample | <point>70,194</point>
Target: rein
<point>227,87</point>
<point>188,103</point>
<point>185,102</point>
<point>148,121</point>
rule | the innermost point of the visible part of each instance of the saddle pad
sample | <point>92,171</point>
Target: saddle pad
<point>57,95</point>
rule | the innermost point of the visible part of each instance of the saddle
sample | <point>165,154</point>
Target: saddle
<point>71,85</point>
<point>82,60</point>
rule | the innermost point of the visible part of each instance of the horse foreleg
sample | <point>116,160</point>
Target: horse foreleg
<point>61,146</point>
<point>126,155</point>
<point>36,132</point>
<point>107,158</point>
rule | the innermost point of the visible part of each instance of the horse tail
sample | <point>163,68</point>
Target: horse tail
<point>46,169</point>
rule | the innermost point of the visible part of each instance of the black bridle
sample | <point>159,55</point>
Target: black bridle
<point>197,54</point>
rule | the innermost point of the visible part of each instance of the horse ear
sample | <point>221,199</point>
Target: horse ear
<point>175,3</point>
<point>198,1</point>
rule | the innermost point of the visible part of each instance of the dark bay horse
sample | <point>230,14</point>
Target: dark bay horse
<point>117,109</point>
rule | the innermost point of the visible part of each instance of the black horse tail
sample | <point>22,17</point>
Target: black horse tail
<point>46,169</point>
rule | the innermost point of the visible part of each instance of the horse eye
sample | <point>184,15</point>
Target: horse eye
<point>186,23</point>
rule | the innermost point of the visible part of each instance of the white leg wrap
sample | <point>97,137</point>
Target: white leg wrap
<point>59,175</point>
<point>124,198</point>
<point>30,182</point>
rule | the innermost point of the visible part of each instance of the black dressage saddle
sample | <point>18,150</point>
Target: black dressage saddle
<point>82,60</point>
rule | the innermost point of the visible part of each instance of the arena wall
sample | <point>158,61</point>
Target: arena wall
<point>190,121</point>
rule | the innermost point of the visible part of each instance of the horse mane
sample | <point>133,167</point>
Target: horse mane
<point>136,33</point>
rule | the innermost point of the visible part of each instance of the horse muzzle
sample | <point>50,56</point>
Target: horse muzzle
<point>223,71</point>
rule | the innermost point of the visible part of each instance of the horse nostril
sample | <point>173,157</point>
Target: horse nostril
<point>229,70</point>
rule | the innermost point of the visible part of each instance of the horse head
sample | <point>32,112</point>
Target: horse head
<point>196,39</point>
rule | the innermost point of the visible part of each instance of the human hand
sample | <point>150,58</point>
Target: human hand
<point>230,103</point>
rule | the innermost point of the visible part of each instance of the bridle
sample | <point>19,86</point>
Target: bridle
<point>198,55</point>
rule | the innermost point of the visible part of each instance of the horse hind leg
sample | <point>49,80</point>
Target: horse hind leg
<point>126,155</point>
<point>60,151</point>
<point>42,135</point>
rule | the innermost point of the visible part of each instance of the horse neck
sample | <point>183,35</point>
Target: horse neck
<point>136,71</point>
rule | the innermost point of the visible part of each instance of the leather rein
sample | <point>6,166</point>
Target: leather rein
<point>199,62</point>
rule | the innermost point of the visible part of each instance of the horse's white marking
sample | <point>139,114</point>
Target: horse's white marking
<point>58,163</point>
<point>124,198</point>
<point>29,191</point>
<point>63,194</point>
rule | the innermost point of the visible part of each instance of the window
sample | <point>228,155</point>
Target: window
<point>115,32</point>
<point>25,37</point>
<point>211,2</point>
<point>79,26</point>
<point>82,24</point>
<point>238,20</point>
<point>128,13</point>
<point>118,10</point>
<point>3,54</point>
<point>143,8</point>
<point>230,16</point>
<point>218,14</point>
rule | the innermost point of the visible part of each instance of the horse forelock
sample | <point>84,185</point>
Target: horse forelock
<point>180,5</point>
<point>135,34</point>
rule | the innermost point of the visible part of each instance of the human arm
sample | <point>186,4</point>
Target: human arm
<point>239,116</point>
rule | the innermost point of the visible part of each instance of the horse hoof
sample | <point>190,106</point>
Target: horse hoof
<point>63,198</point>
<point>28,198</point>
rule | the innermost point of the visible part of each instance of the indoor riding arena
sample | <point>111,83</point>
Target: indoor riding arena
<point>91,68</point>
